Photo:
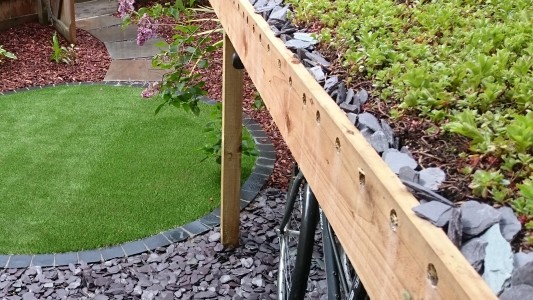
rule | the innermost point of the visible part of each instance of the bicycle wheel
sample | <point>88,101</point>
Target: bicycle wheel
<point>289,233</point>
<point>297,240</point>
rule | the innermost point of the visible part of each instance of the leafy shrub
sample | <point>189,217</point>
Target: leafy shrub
<point>62,54</point>
<point>6,54</point>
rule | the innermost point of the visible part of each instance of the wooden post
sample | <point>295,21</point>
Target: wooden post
<point>232,94</point>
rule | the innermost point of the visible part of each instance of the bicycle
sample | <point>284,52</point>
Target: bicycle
<point>297,233</point>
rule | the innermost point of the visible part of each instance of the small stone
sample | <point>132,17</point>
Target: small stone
<point>297,44</point>
<point>523,275</point>
<point>407,173</point>
<point>317,73</point>
<point>509,223</point>
<point>225,279</point>
<point>432,178</point>
<point>363,96</point>
<point>378,140</point>
<point>455,227</point>
<point>148,295</point>
<point>477,217</point>
<point>522,258</point>
<point>388,131</point>
<point>28,296</point>
<point>306,37</point>
<point>367,120</point>
<point>215,237</point>
<point>519,292</point>
<point>279,13</point>
<point>100,297</point>
<point>319,59</point>
<point>474,252</point>
<point>498,259</point>
<point>396,160</point>
<point>349,107</point>
<point>435,212</point>
<point>352,117</point>
<point>330,83</point>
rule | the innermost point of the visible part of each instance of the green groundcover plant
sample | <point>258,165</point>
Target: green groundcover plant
<point>6,54</point>
<point>467,65</point>
<point>88,166</point>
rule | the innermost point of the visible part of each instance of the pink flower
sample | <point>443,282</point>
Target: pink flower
<point>146,29</point>
<point>125,7</point>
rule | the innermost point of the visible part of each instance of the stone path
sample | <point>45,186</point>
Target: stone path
<point>198,268</point>
<point>130,62</point>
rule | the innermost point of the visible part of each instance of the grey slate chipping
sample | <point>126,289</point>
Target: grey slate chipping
<point>519,292</point>
<point>523,275</point>
<point>498,259</point>
<point>432,178</point>
<point>477,217</point>
<point>509,223</point>
<point>474,252</point>
<point>435,212</point>
<point>520,259</point>
<point>396,160</point>
<point>368,120</point>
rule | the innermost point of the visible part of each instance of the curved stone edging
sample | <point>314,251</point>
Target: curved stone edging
<point>264,165</point>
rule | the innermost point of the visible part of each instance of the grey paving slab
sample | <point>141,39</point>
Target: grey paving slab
<point>90,256</point>
<point>195,227</point>
<point>133,248</point>
<point>3,260</point>
<point>63,259</point>
<point>263,170</point>
<point>112,252</point>
<point>89,9</point>
<point>176,235</point>
<point>254,182</point>
<point>248,195</point>
<point>98,22</point>
<point>211,220</point>
<point>133,70</point>
<point>156,241</point>
<point>130,49</point>
<point>19,261</point>
<point>115,33</point>
<point>43,260</point>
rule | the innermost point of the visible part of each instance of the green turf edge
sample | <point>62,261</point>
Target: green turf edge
<point>45,227</point>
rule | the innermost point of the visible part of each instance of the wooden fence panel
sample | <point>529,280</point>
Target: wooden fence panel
<point>14,12</point>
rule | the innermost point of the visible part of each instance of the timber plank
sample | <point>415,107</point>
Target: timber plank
<point>232,96</point>
<point>393,261</point>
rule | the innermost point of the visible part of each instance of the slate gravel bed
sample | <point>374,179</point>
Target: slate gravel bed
<point>199,268</point>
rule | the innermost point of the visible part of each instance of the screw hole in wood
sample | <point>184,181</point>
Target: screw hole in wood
<point>394,220</point>
<point>432,275</point>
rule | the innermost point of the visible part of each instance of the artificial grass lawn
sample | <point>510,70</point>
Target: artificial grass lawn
<point>83,167</point>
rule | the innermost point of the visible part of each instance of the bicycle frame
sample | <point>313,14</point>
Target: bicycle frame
<point>311,214</point>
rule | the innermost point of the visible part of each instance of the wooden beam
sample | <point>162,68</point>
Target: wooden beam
<point>396,253</point>
<point>232,95</point>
